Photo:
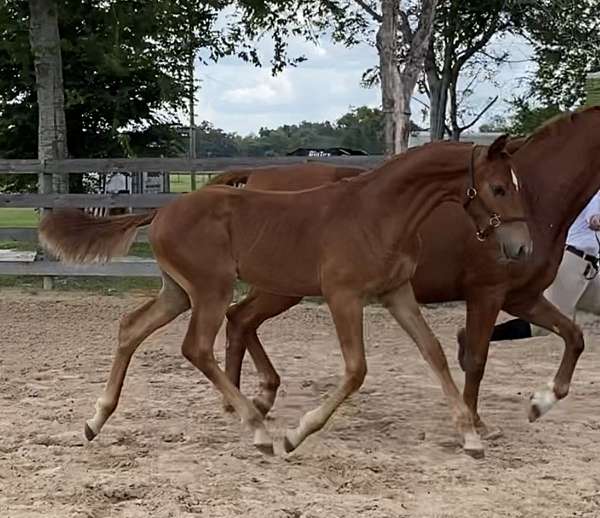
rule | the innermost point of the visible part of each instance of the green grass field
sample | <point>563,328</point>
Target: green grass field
<point>183,182</point>
<point>18,218</point>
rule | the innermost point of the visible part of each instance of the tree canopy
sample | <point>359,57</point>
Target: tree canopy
<point>565,37</point>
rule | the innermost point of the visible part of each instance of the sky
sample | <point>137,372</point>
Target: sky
<point>237,97</point>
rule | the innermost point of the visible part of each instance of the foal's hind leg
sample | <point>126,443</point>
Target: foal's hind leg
<point>208,309</point>
<point>544,314</point>
<point>403,306</point>
<point>134,328</point>
<point>243,320</point>
<point>346,311</point>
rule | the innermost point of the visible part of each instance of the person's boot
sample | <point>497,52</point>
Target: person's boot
<point>515,329</point>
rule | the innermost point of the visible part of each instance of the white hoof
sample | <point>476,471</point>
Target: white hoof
<point>473,446</point>
<point>263,441</point>
<point>542,401</point>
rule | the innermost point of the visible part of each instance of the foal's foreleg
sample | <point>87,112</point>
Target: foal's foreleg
<point>208,310</point>
<point>346,311</point>
<point>474,343</point>
<point>243,320</point>
<point>403,306</point>
<point>544,314</point>
<point>134,328</point>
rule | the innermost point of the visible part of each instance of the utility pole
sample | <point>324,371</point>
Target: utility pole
<point>192,135</point>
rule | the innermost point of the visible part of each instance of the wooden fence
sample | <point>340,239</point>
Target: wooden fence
<point>31,263</point>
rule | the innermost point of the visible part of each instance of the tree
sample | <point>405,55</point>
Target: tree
<point>213,141</point>
<point>462,32</point>
<point>125,64</point>
<point>527,118</point>
<point>497,124</point>
<point>362,128</point>
<point>45,47</point>
<point>565,37</point>
<point>402,42</point>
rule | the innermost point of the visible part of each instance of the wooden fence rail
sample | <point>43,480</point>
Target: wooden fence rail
<point>30,235</point>
<point>170,165</point>
<point>134,201</point>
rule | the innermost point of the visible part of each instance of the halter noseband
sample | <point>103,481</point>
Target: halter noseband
<point>495,220</point>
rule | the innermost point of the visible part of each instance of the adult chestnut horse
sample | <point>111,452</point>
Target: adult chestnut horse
<point>560,166</point>
<point>348,241</point>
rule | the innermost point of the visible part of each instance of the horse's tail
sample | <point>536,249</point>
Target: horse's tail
<point>77,237</point>
<point>233,178</point>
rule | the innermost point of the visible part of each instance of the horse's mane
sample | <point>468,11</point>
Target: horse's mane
<point>405,156</point>
<point>561,123</point>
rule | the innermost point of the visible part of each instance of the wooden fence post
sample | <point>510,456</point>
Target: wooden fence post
<point>45,187</point>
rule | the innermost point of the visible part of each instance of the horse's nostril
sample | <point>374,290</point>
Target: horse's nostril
<point>524,251</point>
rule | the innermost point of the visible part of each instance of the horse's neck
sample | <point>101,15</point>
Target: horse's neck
<point>558,192</point>
<point>409,195</point>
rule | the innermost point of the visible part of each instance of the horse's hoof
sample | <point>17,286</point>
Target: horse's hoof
<point>228,408</point>
<point>265,449</point>
<point>534,413</point>
<point>540,402</point>
<point>476,453</point>
<point>263,441</point>
<point>486,432</point>
<point>473,446</point>
<point>90,435</point>
<point>287,444</point>
<point>261,405</point>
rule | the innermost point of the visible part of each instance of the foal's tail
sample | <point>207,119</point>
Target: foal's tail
<point>233,178</point>
<point>77,237</point>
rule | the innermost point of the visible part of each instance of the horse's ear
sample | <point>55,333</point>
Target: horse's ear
<point>497,147</point>
<point>515,143</point>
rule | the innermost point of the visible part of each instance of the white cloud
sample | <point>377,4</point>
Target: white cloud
<point>265,91</point>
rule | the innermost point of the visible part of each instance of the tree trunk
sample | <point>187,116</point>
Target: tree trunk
<point>437,83</point>
<point>402,114</point>
<point>409,69</point>
<point>437,112</point>
<point>52,129</point>
<point>386,45</point>
<point>454,125</point>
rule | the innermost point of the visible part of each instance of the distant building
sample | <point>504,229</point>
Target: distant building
<point>329,151</point>
<point>593,89</point>
<point>419,138</point>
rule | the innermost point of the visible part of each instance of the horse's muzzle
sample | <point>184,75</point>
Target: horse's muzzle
<point>515,242</point>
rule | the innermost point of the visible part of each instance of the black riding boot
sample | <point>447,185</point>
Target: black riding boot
<point>515,329</point>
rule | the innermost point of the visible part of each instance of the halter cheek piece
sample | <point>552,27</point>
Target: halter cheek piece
<point>495,220</point>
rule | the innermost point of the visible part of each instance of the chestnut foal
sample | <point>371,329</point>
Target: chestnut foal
<point>347,241</point>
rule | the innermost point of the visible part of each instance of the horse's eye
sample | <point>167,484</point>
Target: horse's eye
<point>498,190</point>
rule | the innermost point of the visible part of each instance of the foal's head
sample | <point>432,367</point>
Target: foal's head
<point>494,200</point>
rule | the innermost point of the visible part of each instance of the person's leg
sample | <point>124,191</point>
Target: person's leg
<point>566,290</point>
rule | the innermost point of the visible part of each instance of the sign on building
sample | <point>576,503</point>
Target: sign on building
<point>154,183</point>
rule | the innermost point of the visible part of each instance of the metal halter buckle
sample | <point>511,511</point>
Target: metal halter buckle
<point>471,193</point>
<point>495,221</point>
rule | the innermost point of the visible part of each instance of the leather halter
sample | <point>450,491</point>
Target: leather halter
<point>494,218</point>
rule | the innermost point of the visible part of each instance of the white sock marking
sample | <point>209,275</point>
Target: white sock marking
<point>544,399</point>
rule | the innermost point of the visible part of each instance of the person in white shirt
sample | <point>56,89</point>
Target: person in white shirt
<point>577,269</point>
